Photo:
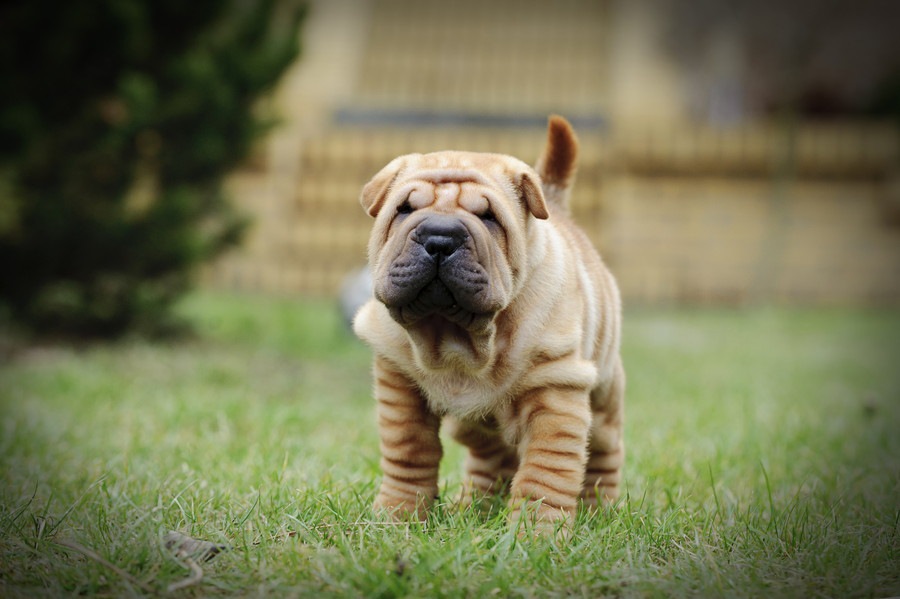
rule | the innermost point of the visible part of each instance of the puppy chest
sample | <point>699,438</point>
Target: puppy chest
<point>461,397</point>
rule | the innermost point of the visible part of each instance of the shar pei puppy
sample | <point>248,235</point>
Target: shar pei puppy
<point>493,314</point>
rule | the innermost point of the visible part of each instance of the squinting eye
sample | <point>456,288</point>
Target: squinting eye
<point>488,216</point>
<point>404,208</point>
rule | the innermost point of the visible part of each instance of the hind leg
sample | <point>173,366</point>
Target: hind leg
<point>606,448</point>
<point>491,463</point>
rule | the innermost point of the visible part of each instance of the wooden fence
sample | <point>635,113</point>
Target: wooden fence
<point>687,215</point>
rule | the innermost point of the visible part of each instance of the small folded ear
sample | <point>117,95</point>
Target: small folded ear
<point>530,192</point>
<point>375,192</point>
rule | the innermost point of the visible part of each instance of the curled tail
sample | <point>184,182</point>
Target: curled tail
<point>557,164</point>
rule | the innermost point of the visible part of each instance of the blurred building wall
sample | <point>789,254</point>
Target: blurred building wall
<point>730,208</point>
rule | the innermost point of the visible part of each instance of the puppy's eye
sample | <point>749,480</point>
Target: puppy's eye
<point>404,208</point>
<point>488,216</point>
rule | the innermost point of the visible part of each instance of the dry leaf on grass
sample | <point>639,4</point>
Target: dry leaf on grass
<point>190,551</point>
<point>184,546</point>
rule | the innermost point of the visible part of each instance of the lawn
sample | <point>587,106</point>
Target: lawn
<point>763,460</point>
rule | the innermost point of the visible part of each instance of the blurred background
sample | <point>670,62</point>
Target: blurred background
<point>737,152</point>
<point>732,152</point>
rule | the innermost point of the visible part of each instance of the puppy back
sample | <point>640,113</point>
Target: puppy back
<point>558,162</point>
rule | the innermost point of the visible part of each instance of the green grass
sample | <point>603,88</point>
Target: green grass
<point>763,460</point>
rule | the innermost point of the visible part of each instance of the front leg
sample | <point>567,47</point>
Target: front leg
<point>553,425</point>
<point>410,444</point>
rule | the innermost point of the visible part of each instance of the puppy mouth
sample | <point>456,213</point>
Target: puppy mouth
<point>437,303</point>
<point>421,285</point>
<point>432,290</point>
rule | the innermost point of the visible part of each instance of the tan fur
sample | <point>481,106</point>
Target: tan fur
<point>535,390</point>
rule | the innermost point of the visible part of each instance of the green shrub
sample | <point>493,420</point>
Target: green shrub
<point>118,120</point>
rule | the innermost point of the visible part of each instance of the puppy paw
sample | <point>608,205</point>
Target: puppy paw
<point>537,519</point>
<point>402,509</point>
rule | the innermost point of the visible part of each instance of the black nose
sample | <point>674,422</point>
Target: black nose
<point>441,235</point>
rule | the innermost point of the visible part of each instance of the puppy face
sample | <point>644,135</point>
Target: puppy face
<point>449,240</point>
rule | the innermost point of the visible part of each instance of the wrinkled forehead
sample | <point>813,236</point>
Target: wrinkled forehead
<point>491,170</point>
<point>462,174</point>
<point>447,195</point>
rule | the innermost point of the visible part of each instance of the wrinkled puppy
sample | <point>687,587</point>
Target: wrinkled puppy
<point>493,313</point>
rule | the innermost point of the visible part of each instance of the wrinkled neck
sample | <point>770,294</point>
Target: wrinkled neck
<point>439,345</point>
